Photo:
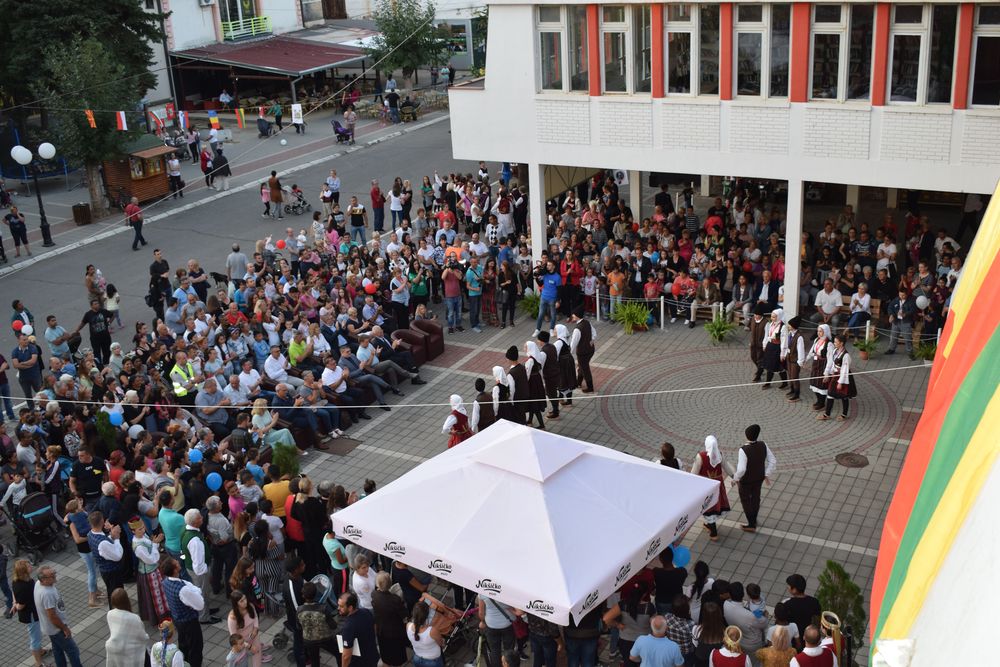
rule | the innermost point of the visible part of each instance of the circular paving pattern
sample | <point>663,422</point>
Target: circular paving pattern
<point>684,418</point>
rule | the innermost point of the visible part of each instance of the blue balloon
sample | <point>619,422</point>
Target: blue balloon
<point>214,482</point>
<point>650,320</point>
<point>682,555</point>
<point>194,456</point>
<point>115,418</point>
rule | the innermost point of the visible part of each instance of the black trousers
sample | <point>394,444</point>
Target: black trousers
<point>137,238</point>
<point>101,347</point>
<point>313,650</point>
<point>112,580</point>
<point>190,641</point>
<point>224,557</point>
<point>552,393</point>
<point>750,497</point>
<point>583,375</point>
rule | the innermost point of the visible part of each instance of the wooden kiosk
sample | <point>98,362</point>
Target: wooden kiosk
<point>141,171</point>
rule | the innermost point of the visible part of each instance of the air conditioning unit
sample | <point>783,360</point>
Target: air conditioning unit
<point>206,3</point>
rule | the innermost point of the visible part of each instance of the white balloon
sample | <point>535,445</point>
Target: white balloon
<point>46,151</point>
<point>284,142</point>
<point>21,155</point>
<point>27,330</point>
<point>923,302</point>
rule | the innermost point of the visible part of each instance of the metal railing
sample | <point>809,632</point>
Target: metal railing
<point>248,27</point>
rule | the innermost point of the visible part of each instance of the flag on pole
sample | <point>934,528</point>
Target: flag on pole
<point>213,119</point>
<point>90,119</point>
<point>182,118</point>
<point>156,120</point>
<point>240,118</point>
<point>120,121</point>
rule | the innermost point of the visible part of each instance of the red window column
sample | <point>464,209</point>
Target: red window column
<point>726,51</point>
<point>594,50</point>
<point>656,35</point>
<point>881,55</point>
<point>801,21</point>
<point>963,58</point>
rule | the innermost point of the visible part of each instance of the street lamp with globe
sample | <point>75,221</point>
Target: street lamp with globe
<point>23,157</point>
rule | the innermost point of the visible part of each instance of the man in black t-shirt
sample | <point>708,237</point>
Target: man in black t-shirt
<point>86,477</point>
<point>392,99</point>
<point>802,610</point>
<point>99,322</point>
<point>358,626</point>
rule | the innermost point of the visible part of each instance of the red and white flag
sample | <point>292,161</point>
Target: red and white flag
<point>157,121</point>
<point>120,121</point>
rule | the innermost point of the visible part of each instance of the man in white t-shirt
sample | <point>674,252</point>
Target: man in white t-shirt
<point>478,248</point>
<point>828,304</point>
<point>393,245</point>
<point>334,379</point>
<point>276,369</point>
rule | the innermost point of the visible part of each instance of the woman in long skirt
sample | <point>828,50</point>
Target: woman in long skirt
<point>149,585</point>
<point>456,425</point>
<point>268,560</point>
<point>839,378</point>
<point>771,361</point>
<point>489,305</point>
<point>535,406</point>
<point>567,365</point>
<point>709,463</point>
<point>819,351</point>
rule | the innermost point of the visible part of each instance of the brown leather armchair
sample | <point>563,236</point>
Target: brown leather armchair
<point>435,336</point>
<point>415,342</point>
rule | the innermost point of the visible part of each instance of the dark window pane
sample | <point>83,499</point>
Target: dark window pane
<point>908,14</point>
<point>826,65</point>
<point>678,13</point>
<point>989,14</point>
<point>748,46</point>
<point>577,41</point>
<point>827,14</point>
<point>614,13</point>
<point>986,79</point>
<point>679,62</point>
<point>859,68</point>
<point>548,14</point>
<point>905,68</point>
<point>551,61</point>
<point>614,62</point>
<point>709,56</point>
<point>641,42</point>
<point>780,22</point>
<point>942,60</point>
<point>750,13</point>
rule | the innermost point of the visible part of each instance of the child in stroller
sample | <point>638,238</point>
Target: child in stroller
<point>342,133</point>
<point>297,203</point>
<point>265,128</point>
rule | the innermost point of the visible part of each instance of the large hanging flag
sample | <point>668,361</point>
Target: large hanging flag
<point>90,118</point>
<point>182,118</point>
<point>240,119</point>
<point>939,542</point>
<point>156,121</point>
<point>213,119</point>
<point>120,121</point>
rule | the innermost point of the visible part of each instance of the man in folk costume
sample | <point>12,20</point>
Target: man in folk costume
<point>483,415</point>
<point>813,655</point>
<point>793,355</point>
<point>185,602</point>
<point>108,552</point>
<point>755,466</point>
<point>550,373</point>
<point>501,394</point>
<point>757,324</point>
<point>567,365</point>
<point>518,376</point>
<point>819,352</point>
<point>457,423</point>
<point>710,464</point>
<point>839,379</point>
<point>833,640</point>
<point>581,345</point>
<point>771,345</point>
<point>536,385</point>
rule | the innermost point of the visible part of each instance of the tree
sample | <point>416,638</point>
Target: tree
<point>837,593</point>
<point>408,37</point>
<point>77,75</point>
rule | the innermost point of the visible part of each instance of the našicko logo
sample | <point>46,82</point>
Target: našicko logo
<point>681,525</point>
<point>541,607</point>
<point>590,601</point>
<point>352,531</point>
<point>489,586</point>
<point>623,573</point>
<point>706,503</point>
<point>439,566</point>
<point>653,548</point>
<point>394,548</point>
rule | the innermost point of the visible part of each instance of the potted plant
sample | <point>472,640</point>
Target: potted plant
<point>837,593</point>
<point>529,303</point>
<point>926,351</point>
<point>865,346</point>
<point>286,458</point>
<point>720,328</point>
<point>632,317</point>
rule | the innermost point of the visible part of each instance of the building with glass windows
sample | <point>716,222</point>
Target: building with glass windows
<point>887,96</point>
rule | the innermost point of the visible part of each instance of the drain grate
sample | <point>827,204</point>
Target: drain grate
<point>852,460</point>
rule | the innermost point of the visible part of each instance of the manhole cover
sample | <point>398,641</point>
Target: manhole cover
<point>852,460</point>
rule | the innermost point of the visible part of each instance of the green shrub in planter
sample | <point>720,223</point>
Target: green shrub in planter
<point>631,316</point>
<point>720,328</point>
<point>286,458</point>
<point>529,304</point>
<point>925,351</point>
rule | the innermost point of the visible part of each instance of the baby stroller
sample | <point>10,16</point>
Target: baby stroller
<point>35,527</point>
<point>265,128</point>
<point>297,203</point>
<point>342,133</point>
<point>323,588</point>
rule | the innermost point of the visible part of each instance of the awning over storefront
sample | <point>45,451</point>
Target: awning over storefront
<point>277,55</point>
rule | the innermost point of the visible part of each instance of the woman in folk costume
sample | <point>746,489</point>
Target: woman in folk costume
<point>818,353</point>
<point>833,640</point>
<point>567,365</point>
<point>839,378</point>
<point>771,361</point>
<point>535,406</point>
<point>457,423</point>
<point>148,583</point>
<point>502,392</point>
<point>709,463</point>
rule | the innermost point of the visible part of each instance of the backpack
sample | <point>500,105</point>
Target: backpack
<point>317,624</point>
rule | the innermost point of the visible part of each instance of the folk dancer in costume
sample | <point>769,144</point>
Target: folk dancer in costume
<point>185,601</point>
<point>107,550</point>
<point>710,464</point>
<point>567,365</point>
<point>457,423</point>
<point>535,406</point>
<point>149,585</point>
<point>483,414</point>
<point>581,345</point>
<point>550,373</point>
<point>819,351</point>
<point>755,466</point>
<point>833,640</point>
<point>518,379</point>
<point>501,394</point>
<point>668,457</point>
<point>757,325</point>
<point>793,355</point>
<point>841,383</point>
<point>813,655</point>
<point>771,360</point>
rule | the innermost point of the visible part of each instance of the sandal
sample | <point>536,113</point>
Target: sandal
<point>822,417</point>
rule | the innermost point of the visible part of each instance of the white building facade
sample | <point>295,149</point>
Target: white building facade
<point>881,95</point>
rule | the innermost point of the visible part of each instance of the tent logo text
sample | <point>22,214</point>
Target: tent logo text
<point>681,525</point>
<point>623,573</point>
<point>653,548</point>
<point>705,503</point>
<point>589,602</point>
<point>489,585</point>
<point>394,548</point>
<point>542,607</point>
<point>352,531</point>
<point>439,566</point>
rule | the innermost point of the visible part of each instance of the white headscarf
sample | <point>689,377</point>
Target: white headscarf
<point>712,449</point>
<point>825,330</point>
<point>532,349</point>
<point>780,313</point>
<point>499,375</point>
<point>562,333</point>
<point>456,404</point>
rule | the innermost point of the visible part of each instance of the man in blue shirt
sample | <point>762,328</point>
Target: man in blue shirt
<point>57,338</point>
<point>655,650</point>
<point>24,359</point>
<point>549,281</point>
<point>474,285</point>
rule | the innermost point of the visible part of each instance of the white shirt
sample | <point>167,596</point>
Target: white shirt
<point>861,304</point>
<point>197,550</point>
<point>479,249</point>
<point>811,651</point>
<point>793,631</point>
<point>574,340</point>
<point>363,587</point>
<point>190,595</point>
<point>146,550</point>
<point>830,303</point>
<point>276,526</point>
<point>800,345</point>
<point>275,368</point>
<point>845,366</point>
<point>110,549</point>
<point>250,381</point>
<point>331,376</point>
<point>769,463</point>
<point>319,344</point>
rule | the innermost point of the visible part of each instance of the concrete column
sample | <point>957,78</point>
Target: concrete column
<point>635,194</point>
<point>853,196</point>
<point>706,186</point>
<point>536,209</point>
<point>793,248</point>
<point>890,197</point>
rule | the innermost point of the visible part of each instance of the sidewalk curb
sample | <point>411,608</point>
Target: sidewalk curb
<point>121,229</point>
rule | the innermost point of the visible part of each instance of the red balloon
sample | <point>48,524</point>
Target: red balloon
<point>17,324</point>
<point>747,267</point>
<point>280,244</point>
<point>370,288</point>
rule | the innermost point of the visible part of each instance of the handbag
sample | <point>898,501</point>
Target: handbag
<point>520,626</point>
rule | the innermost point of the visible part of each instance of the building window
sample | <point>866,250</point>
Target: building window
<point>562,48</point>
<point>626,49</point>
<point>922,53</point>
<point>762,44</point>
<point>692,49</point>
<point>986,67</point>
<point>841,52</point>
<point>642,48</point>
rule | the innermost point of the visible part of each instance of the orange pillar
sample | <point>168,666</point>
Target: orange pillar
<point>726,51</point>
<point>963,57</point>
<point>798,88</point>
<point>594,50</point>
<point>656,35</point>
<point>881,55</point>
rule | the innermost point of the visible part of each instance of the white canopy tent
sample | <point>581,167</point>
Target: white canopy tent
<point>544,523</point>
